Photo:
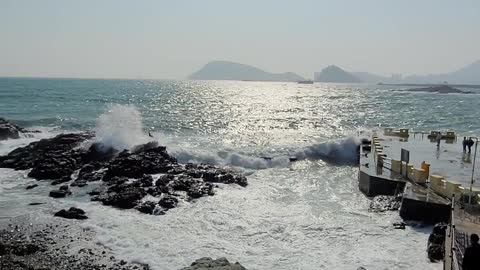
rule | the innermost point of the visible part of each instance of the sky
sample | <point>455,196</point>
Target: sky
<point>173,38</point>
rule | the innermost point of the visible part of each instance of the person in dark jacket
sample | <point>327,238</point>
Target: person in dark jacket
<point>464,144</point>
<point>470,143</point>
<point>471,258</point>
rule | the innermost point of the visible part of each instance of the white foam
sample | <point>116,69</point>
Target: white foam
<point>120,128</point>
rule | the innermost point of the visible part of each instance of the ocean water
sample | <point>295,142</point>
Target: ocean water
<point>303,215</point>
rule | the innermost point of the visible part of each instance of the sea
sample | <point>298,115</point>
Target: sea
<point>307,214</point>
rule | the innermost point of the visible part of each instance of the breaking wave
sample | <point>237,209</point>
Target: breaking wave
<point>120,128</point>
<point>343,152</point>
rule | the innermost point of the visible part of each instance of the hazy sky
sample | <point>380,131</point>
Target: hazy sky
<point>173,38</point>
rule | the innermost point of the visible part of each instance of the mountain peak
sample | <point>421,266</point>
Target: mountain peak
<point>334,73</point>
<point>227,70</point>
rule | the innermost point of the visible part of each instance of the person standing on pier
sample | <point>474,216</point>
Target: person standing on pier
<point>439,138</point>
<point>471,258</point>
<point>464,144</point>
<point>470,144</point>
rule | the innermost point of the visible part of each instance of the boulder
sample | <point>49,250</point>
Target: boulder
<point>168,202</point>
<point>63,191</point>
<point>146,207</point>
<point>72,213</point>
<point>126,198</point>
<point>31,186</point>
<point>207,263</point>
<point>9,130</point>
<point>436,240</point>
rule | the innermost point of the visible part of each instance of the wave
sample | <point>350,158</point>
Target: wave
<point>343,152</point>
<point>120,128</point>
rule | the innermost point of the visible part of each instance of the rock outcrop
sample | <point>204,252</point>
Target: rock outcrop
<point>436,240</point>
<point>72,213</point>
<point>210,264</point>
<point>125,177</point>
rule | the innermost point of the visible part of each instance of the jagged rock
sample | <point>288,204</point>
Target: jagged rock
<point>168,202</point>
<point>72,213</point>
<point>399,225</point>
<point>9,130</point>
<point>31,186</point>
<point>61,180</point>
<point>146,207</point>
<point>78,183</point>
<point>63,191</point>
<point>126,198</point>
<point>48,158</point>
<point>207,263</point>
<point>436,240</point>
<point>135,165</point>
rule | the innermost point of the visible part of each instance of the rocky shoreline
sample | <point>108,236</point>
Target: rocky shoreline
<point>126,177</point>
<point>146,178</point>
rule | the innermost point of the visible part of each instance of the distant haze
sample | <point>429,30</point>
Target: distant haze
<point>173,39</point>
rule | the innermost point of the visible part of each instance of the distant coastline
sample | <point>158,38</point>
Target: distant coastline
<point>475,86</point>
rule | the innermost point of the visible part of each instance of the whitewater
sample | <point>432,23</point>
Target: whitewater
<point>306,214</point>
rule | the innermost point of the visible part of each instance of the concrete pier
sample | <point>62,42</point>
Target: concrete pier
<point>398,161</point>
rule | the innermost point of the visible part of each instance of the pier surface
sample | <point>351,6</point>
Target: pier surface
<point>447,160</point>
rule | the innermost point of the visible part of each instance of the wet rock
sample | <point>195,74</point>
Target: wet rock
<point>31,186</point>
<point>72,213</point>
<point>35,203</point>
<point>436,240</point>
<point>126,198</point>
<point>218,264</point>
<point>399,225</point>
<point>61,180</point>
<point>135,165</point>
<point>99,152</point>
<point>168,202</point>
<point>9,130</point>
<point>62,192</point>
<point>79,183</point>
<point>48,158</point>
<point>146,207</point>
<point>164,180</point>
<point>384,203</point>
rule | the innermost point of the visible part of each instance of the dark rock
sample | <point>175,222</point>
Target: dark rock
<point>60,193</point>
<point>64,187</point>
<point>135,165</point>
<point>146,207</point>
<point>436,240</point>
<point>51,158</point>
<point>99,152</point>
<point>61,180</point>
<point>164,180</point>
<point>440,89</point>
<point>399,225</point>
<point>126,198</point>
<point>9,130</point>
<point>72,213</point>
<point>31,186</point>
<point>79,183</point>
<point>207,263</point>
<point>36,203</point>
<point>146,180</point>
<point>168,202</point>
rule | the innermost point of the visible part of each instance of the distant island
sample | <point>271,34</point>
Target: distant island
<point>440,89</point>
<point>468,75</point>
<point>224,70</point>
<point>335,74</point>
